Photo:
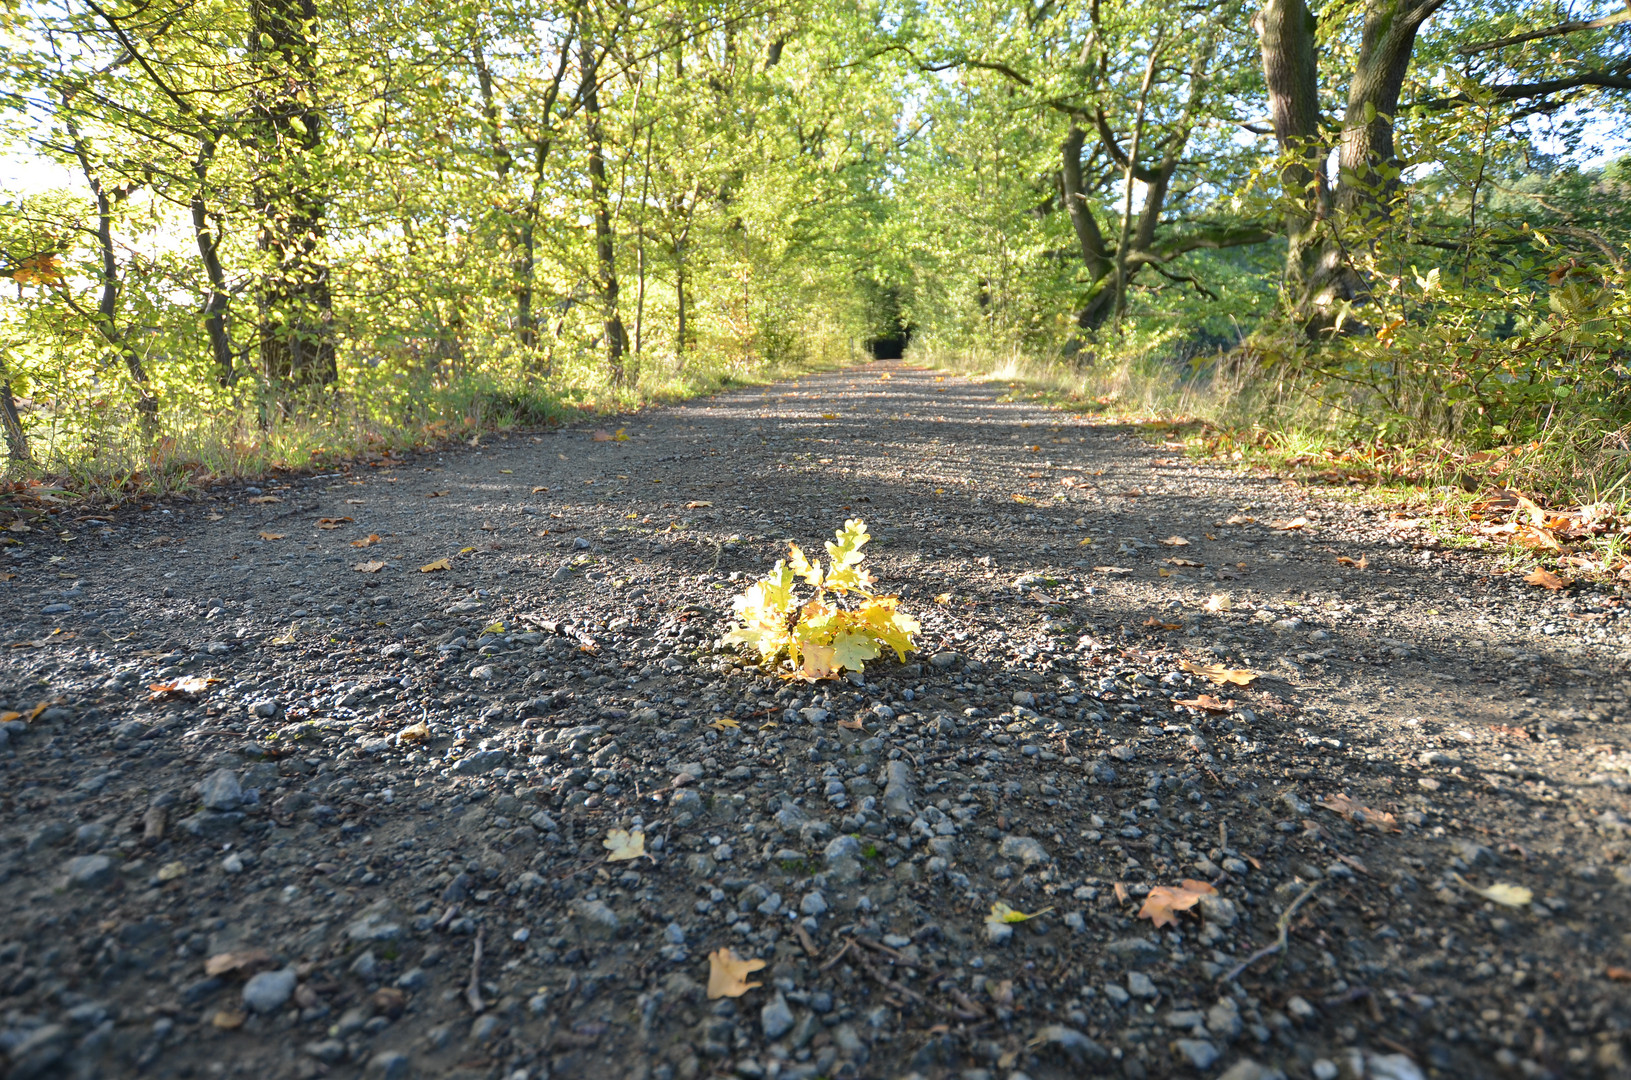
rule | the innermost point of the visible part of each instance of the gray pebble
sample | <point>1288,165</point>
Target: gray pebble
<point>269,991</point>
<point>221,791</point>
<point>90,871</point>
<point>776,1018</point>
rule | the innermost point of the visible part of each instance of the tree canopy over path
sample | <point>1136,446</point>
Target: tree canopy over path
<point>240,234</point>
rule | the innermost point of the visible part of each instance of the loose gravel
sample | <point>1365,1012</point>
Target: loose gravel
<point>373,843</point>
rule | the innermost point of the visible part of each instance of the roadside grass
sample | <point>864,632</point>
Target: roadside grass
<point>206,436</point>
<point>1561,500</point>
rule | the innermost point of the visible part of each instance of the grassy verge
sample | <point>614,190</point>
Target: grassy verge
<point>203,438</point>
<point>1560,500</point>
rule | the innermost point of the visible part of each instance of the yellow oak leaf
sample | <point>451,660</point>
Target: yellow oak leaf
<point>728,974</point>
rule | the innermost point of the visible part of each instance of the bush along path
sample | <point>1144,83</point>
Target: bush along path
<point>435,768</point>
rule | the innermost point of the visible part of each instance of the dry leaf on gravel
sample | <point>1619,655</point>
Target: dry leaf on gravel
<point>1358,813</point>
<point>1175,541</point>
<point>1218,602</point>
<point>624,845</point>
<point>1176,561</point>
<point>538,490</point>
<point>854,724</point>
<point>172,870</point>
<point>1546,579</point>
<point>228,1019</point>
<point>1002,914</point>
<point>262,500</point>
<point>419,732</point>
<point>368,541</point>
<point>437,494</point>
<point>1290,526</point>
<point>728,974</point>
<point>332,523</point>
<point>1358,564</point>
<point>1111,570</point>
<point>1221,675</point>
<point>1164,900</point>
<point>439,564</point>
<point>373,566</point>
<point>1503,893</point>
<point>1121,893</point>
<point>1207,703</point>
<point>187,687</point>
<point>723,723</point>
<point>271,536</point>
<point>244,962</point>
<point>698,505</point>
<point>34,713</point>
<point>1159,625</point>
<point>1617,974</point>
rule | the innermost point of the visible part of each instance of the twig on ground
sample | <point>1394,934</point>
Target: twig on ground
<point>837,956</point>
<point>447,917</point>
<point>1279,945</point>
<point>912,995</point>
<point>472,993</point>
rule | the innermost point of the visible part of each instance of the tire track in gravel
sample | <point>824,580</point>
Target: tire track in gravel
<point>1034,753</point>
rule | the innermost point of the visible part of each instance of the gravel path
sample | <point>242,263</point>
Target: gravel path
<point>282,873</point>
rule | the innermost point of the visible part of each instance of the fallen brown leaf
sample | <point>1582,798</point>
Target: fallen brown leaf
<point>728,974</point>
<point>1159,625</point>
<point>1358,813</point>
<point>188,687</point>
<point>271,536</point>
<point>437,494</point>
<point>1546,579</point>
<point>1207,703</point>
<point>1121,893</point>
<point>332,523</point>
<point>1164,900</point>
<point>1358,564</point>
<point>368,541</point>
<point>243,962</point>
<point>1617,974</point>
<point>1175,541</point>
<point>262,500</point>
<point>1290,526</point>
<point>698,505</point>
<point>372,566</point>
<point>1221,675</point>
<point>439,564</point>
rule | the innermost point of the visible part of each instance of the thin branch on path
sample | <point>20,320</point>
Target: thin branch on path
<point>1279,945</point>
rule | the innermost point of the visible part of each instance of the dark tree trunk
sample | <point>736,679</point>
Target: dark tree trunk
<point>605,247</point>
<point>1089,238</point>
<point>10,422</point>
<point>296,305</point>
<point>209,245</point>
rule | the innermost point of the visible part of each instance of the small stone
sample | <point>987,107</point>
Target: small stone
<point>1383,1066</point>
<point>595,918</point>
<point>328,1051</point>
<point>1140,986</point>
<point>41,1049</point>
<point>1247,1069</point>
<point>1072,1043</point>
<point>1116,994</point>
<point>1024,849</point>
<point>90,871</point>
<point>1223,1020</point>
<point>776,1018</point>
<point>1200,1052</point>
<point>221,791</point>
<point>485,1029</point>
<point>233,863</point>
<point>814,904</point>
<point>365,966</point>
<point>1219,912</point>
<point>376,922</point>
<point>897,791</point>
<point>997,933</point>
<point>1024,698</point>
<point>389,1065</point>
<point>269,991</point>
<point>1299,1008</point>
<point>1325,1069</point>
<point>482,761</point>
<point>945,661</point>
<point>91,835</point>
<point>1436,758</point>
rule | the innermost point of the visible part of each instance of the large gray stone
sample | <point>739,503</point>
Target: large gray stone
<point>269,991</point>
<point>482,761</point>
<point>376,922</point>
<point>776,1018</point>
<point>1070,1042</point>
<point>897,789</point>
<point>90,871</point>
<point>221,791</point>
<point>1026,850</point>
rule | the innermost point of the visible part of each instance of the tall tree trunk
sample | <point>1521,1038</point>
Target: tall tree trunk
<point>1368,161</point>
<point>11,424</point>
<point>1285,30</point>
<point>1089,238</point>
<point>605,248</point>
<point>296,304</point>
<point>209,246</point>
<point>107,305</point>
